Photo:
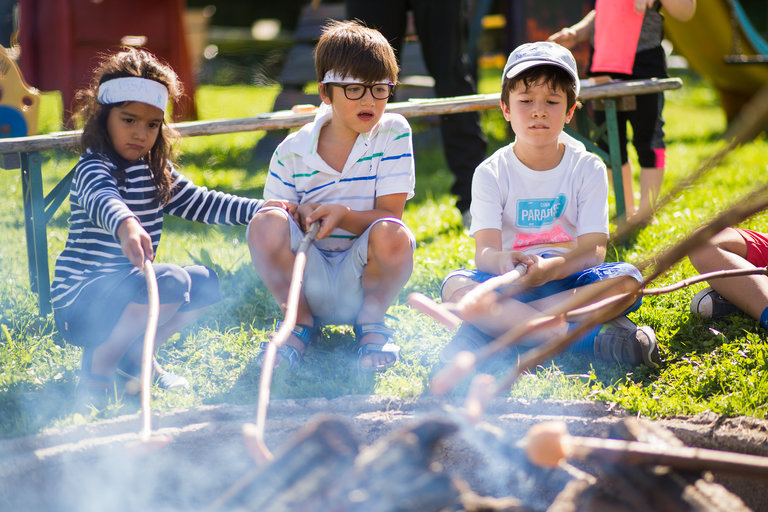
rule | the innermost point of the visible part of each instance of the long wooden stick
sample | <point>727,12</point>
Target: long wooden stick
<point>254,433</point>
<point>548,444</point>
<point>147,442</point>
<point>593,313</point>
<point>148,351</point>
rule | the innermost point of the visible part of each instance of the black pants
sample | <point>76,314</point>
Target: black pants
<point>441,26</point>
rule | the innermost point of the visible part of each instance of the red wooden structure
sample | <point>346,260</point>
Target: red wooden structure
<point>61,42</point>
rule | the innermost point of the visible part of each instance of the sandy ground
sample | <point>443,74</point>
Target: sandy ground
<point>96,466</point>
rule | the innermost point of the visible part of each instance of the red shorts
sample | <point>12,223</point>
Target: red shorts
<point>757,246</point>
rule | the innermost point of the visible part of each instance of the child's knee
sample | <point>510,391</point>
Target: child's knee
<point>390,241</point>
<point>456,287</point>
<point>268,229</point>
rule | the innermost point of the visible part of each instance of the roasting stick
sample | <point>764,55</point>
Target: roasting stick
<point>254,433</point>
<point>466,362</point>
<point>548,444</point>
<point>148,351</point>
<point>451,315</point>
<point>148,442</point>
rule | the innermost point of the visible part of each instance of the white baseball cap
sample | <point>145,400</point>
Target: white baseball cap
<point>540,53</point>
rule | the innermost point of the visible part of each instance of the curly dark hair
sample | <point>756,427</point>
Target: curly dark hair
<point>130,62</point>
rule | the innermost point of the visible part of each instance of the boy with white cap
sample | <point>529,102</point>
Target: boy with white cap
<point>537,200</point>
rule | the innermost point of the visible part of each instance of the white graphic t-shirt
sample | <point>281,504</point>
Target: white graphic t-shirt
<point>541,212</point>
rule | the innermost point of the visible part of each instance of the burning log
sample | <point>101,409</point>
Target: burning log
<point>324,469</point>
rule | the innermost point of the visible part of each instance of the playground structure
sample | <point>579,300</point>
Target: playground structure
<point>61,42</point>
<point>722,43</point>
<point>726,42</point>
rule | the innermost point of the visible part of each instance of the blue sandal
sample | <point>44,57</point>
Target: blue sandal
<point>305,333</point>
<point>367,349</point>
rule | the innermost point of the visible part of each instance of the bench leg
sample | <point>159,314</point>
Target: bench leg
<point>35,229</point>
<point>614,152</point>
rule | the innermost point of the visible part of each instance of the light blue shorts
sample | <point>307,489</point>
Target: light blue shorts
<point>333,279</point>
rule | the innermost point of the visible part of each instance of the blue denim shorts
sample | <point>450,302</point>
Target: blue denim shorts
<point>591,275</point>
<point>90,318</point>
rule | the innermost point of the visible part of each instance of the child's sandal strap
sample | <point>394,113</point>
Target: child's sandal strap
<point>388,347</point>
<point>361,330</point>
<point>287,352</point>
<point>304,333</point>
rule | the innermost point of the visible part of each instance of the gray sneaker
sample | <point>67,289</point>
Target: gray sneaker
<point>623,341</point>
<point>710,304</point>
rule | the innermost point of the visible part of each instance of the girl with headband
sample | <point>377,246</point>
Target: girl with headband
<point>123,185</point>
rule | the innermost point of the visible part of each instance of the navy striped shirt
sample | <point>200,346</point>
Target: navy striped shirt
<point>99,202</point>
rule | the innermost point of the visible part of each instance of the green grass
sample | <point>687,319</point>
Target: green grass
<point>718,366</point>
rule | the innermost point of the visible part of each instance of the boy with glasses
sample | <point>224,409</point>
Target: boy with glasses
<point>351,170</point>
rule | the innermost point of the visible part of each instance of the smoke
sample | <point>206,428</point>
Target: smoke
<point>95,467</point>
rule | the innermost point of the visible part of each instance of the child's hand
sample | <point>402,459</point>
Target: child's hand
<point>513,258</point>
<point>542,270</point>
<point>135,242</point>
<point>285,205</point>
<point>328,215</point>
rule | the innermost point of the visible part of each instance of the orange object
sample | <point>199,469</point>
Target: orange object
<point>19,103</point>
<point>617,31</point>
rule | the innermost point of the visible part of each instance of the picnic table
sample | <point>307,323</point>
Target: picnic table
<point>24,153</point>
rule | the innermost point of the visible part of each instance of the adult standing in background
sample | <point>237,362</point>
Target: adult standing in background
<point>441,26</point>
<point>634,25</point>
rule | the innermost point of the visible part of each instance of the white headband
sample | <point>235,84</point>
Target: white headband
<point>333,76</point>
<point>133,88</point>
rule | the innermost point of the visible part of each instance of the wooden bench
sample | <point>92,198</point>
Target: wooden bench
<point>299,69</point>
<point>39,207</point>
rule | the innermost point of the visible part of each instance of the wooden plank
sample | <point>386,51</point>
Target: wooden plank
<point>287,119</point>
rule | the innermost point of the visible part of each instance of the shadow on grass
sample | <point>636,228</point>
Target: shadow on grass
<point>328,370</point>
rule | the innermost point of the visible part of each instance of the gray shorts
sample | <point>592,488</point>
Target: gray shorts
<point>332,279</point>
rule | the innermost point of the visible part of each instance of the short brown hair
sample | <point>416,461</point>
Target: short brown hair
<point>351,49</point>
<point>554,76</point>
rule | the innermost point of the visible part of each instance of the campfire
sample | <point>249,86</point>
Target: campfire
<point>432,454</point>
<point>382,454</point>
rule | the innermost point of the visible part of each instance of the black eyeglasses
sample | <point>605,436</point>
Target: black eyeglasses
<point>380,91</point>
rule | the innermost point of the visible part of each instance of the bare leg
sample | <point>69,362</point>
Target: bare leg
<point>650,188</point>
<point>629,192</point>
<point>130,326</point>
<point>728,250</point>
<point>174,324</point>
<point>390,262</point>
<point>269,240</point>
<point>510,311</point>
